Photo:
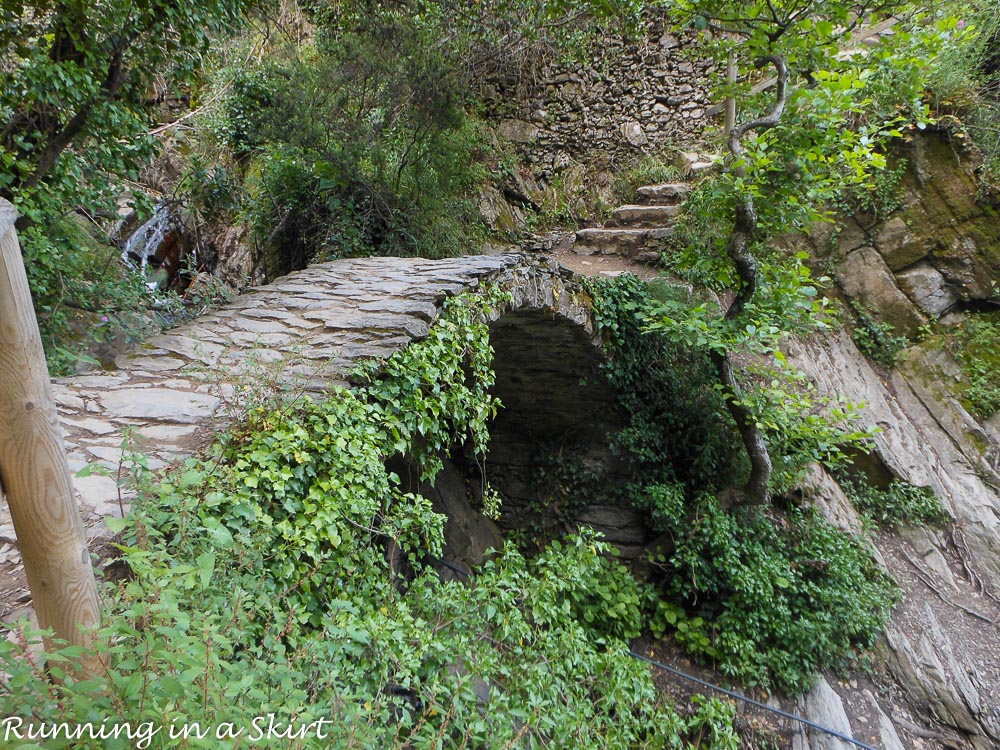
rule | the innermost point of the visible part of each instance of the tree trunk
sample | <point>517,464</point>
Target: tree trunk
<point>738,248</point>
<point>34,473</point>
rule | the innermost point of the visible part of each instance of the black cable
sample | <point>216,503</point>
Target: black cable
<point>710,686</point>
<point>464,573</point>
<point>751,701</point>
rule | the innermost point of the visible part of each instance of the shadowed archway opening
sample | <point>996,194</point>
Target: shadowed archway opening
<point>550,453</point>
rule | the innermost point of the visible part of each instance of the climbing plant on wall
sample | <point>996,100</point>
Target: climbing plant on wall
<point>263,588</point>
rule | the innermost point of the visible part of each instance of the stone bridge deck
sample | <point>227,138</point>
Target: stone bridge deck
<point>303,331</point>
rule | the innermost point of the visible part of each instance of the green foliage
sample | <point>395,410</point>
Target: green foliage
<point>798,151</point>
<point>898,504</point>
<point>499,42</point>
<point>303,481</point>
<point>391,669</point>
<point>712,720</point>
<point>264,579</point>
<point>974,345</point>
<point>883,196</point>
<point>801,427</point>
<point>678,428</point>
<point>357,144</point>
<point>771,598</point>
<point>965,77</point>
<point>361,138</point>
<point>679,432</point>
<point>696,247</point>
<point>876,339</point>
<point>440,385</point>
<point>74,122</point>
<point>604,595</point>
<point>83,296</point>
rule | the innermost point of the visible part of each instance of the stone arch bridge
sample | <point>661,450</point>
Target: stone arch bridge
<point>305,331</point>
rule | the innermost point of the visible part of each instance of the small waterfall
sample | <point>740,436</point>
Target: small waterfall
<point>142,248</point>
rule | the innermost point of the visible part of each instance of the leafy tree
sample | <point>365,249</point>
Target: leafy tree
<point>487,40</point>
<point>365,134</point>
<point>819,134</point>
<point>77,83</point>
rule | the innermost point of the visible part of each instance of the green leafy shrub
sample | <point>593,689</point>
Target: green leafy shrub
<point>803,428</point>
<point>74,131</point>
<point>677,429</point>
<point>964,78</point>
<point>358,142</point>
<point>898,504</point>
<point>391,668</point>
<point>264,592</point>
<point>83,294</point>
<point>975,345</point>
<point>255,109</point>
<point>214,189</point>
<point>771,598</point>
<point>876,339</point>
<point>603,596</point>
<point>883,196</point>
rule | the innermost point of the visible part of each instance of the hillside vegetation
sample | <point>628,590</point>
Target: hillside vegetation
<point>285,573</point>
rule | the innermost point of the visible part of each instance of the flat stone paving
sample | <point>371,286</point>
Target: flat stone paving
<point>300,333</point>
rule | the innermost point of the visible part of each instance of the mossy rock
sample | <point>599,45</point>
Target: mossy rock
<point>943,213</point>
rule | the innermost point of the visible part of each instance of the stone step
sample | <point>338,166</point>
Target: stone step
<point>664,192</point>
<point>647,216</point>
<point>694,163</point>
<point>636,244</point>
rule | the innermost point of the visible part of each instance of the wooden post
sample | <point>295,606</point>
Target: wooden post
<point>34,474</point>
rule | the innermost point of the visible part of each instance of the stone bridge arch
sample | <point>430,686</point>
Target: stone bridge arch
<point>177,390</point>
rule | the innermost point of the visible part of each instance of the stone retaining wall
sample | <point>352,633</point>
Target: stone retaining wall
<point>637,97</point>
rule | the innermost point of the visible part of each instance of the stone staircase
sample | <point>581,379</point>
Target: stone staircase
<point>635,229</point>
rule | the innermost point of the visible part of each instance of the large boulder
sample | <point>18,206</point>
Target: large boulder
<point>865,277</point>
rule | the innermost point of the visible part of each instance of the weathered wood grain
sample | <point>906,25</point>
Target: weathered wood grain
<point>34,474</point>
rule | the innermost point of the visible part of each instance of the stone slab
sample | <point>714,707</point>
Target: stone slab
<point>160,404</point>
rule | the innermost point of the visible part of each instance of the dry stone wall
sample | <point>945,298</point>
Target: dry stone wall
<point>634,96</point>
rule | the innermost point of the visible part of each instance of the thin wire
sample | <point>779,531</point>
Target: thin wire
<point>751,701</point>
<point>724,691</point>
<point>457,569</point>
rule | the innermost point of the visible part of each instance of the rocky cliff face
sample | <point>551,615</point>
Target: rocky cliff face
<point>939,669</point>
<point>938,675</point>
<point>937,253</point>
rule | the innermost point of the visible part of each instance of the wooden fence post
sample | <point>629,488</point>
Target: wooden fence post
<point>34,473</point>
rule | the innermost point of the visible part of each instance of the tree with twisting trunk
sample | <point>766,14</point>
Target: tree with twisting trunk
<point>798,151</point>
